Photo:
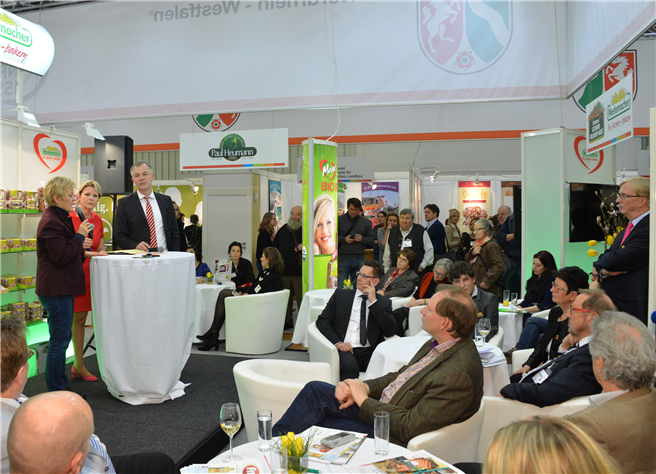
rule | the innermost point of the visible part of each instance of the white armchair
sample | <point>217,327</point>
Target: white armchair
<point>398,301</point>
<point>500,412</point>
<point>414,321</point>
<point>497,339</point>
<point>453,443</point>
<point>519,357</point>
<point>322,350</point>
<point>272,384</point>
<point>254,323</point>
<point>315,312</point>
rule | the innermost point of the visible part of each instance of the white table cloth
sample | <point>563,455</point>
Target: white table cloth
<point>143,310</point>
<point>364,455</point>
<point>206,296</point>
<point>512,324</point>
<point>311,298</point>
<point>393,354</point>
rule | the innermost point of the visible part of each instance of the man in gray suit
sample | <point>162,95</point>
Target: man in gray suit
<point>462,274</point>
<point>622,419</point>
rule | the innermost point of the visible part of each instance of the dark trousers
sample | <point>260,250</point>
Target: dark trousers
<point>350,365</point>
<point>144,463</point>
<point>316,405</point>
<point>60,320</point>
<point>347,267</point>
<point>295,287</point>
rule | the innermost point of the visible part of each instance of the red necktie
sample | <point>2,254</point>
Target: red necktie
<point>626,233</point>
<point>151,224</point>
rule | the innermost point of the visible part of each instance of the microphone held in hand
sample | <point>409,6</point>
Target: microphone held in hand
<point>80,214</point>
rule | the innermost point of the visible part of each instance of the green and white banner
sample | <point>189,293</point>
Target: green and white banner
<point>319,214</point>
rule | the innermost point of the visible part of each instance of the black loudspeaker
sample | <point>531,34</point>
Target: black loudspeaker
<point>112,160</point>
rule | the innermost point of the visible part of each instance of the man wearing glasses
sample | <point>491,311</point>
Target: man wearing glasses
<point>356,321</point>
<point>570,374</point>
<point>624,268</point>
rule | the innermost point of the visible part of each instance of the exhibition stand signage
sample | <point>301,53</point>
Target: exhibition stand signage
<point>25,45</point>
<point>319,215</point>
<point>243,149</point>
<point>361,168</point>
<point>610,117</point>
<point>474,200</point>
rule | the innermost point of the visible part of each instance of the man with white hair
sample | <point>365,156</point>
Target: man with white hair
<point>289,241</point>
<point>408,235</point>
<point>622,419</point>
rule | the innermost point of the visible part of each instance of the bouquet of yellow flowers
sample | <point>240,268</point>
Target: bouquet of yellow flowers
<point>347,284</point>
<point>295,450</point>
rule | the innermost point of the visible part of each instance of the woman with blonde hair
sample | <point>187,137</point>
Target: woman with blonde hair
<point>453,234</point>
<point>324,225</point>
<point>60,252</point>
<point>89,194</point>
<point>546,445</point>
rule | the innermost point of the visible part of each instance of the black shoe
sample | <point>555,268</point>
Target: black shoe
<point>288,326</point>
<point>208,336</point>
<point>210,344</point>
<point>509,352</point>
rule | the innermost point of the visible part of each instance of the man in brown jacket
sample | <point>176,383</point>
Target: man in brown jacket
<point>441,385</point>
<point>622,419</point>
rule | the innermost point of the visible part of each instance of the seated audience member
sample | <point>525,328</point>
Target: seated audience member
<point>595,284</point>
<point>441,385</point>
<point>570,374</point>
<point>355,334</point>
<point>462,275</point>
<point>242,267</point>
<point>201,267</point>
<point>38,440</point>
<point>427,288</point>
<point>622,419</point>
<point>564,289</point>
<point>546,445</point>
<point>270,279</point>
<point>538,288</point>
<point>400,280</point>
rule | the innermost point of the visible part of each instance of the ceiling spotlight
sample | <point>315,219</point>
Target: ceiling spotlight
<point>432,178</point>
<point>25,117</point>
<point>476,182</point>
<point>195,189</point>
<point>374,186</point>
<point>92,132</point>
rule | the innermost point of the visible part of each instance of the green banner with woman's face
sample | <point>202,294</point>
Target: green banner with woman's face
<point>320,215</point>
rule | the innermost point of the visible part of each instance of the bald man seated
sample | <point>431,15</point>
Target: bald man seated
<point>53,432</point>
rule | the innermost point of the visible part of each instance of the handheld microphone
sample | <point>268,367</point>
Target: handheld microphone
<point>653,317</point>
<point>78,211</point>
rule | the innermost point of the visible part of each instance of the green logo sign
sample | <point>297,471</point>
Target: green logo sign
<point>232,148</point>
<point>13,32</point>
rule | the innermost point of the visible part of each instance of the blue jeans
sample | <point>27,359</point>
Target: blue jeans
<point>60,319</point>
<point>533,328</point>
<point>347,268</point>
<point>316,405</point>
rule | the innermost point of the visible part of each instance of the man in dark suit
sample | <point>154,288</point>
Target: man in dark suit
<point>440,386</point>
<point>462,274</point>
<point>435,231</point>
<point>356,335</point>
<point>622,419</point>
<point>624,268</point>
<point>145,219</point>
<point>570,374</point>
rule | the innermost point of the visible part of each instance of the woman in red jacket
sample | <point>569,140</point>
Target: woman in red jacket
<point>59,272</point>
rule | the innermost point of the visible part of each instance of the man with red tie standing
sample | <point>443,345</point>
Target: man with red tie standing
<point>624,268</point>
<point>145,219</point>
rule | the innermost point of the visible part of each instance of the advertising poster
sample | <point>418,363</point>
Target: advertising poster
<point>275,199</point>
<point>610,117</point>
<point>474,201</point>
<point>320,235</point>
<point>379,197</point>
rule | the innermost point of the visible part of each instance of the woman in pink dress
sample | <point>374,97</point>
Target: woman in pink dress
<point>89,195</point>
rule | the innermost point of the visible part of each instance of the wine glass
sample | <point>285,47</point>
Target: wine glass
<point>484,327</point>
<point>230,423</point>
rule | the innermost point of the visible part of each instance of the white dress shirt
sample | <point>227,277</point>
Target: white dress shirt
<point>157,214</point>
<point>352,335</point>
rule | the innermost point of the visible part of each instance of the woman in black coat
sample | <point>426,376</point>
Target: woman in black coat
<point>242,267</point>
<point>270,279</point>
<point>265,236</point>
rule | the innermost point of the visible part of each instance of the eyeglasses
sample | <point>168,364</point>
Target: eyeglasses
<point>579,309</point>
<point>623,196</point>
<point>360,274</point>
<point>439,275</point>
<point>593,275</point>
<point>558,288</point>
<point>30,353</point>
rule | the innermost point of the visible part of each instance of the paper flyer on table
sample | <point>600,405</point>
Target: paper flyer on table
<point>419,462</point>
<point>238,467</point>
<point>338,455</point>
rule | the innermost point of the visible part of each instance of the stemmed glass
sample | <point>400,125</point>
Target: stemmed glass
<point>484,327</point>
<point>230,423</point>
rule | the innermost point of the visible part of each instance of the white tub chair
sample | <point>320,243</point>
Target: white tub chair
<point>254,323</point>
<point>273,385</point>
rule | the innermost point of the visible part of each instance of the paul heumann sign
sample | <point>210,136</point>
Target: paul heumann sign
<point>25,45</point>
<point>243,149</point>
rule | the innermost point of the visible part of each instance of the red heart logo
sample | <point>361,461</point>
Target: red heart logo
<point>37,139</point>
<point>577,141</point>
<point>228,119</point>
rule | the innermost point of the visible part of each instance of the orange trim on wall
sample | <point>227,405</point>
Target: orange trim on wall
<point>394,137</point>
